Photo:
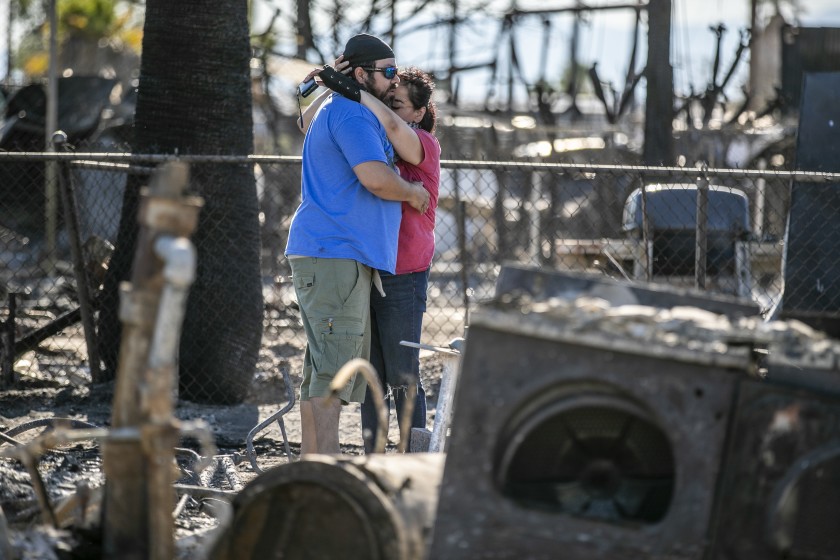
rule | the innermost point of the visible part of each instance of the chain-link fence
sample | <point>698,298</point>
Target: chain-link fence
<point>59,222</point>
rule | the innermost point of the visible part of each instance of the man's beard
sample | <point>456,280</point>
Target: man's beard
<point>383,96</point>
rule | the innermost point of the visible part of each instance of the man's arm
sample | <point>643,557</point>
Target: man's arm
<point>382,181</point>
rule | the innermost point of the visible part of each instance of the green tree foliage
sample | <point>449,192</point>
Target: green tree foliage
<point>92,35</point>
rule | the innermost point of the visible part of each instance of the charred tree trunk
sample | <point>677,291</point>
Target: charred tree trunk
<point>659,105</point>
<point>195,98</point>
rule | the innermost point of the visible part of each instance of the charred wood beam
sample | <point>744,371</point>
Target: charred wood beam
<point>31,340</point>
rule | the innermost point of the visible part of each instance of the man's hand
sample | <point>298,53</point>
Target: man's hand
<point>420,198</point>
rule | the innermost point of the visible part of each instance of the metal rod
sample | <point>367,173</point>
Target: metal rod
<point>71,221</point>
<point>650,171</point>
<point>249,440</point>
<point>443,412</point>
<point>701,237</point>
<point>422,346</point>
<point>50,125</point>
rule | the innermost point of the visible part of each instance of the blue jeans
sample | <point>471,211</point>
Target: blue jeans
<point>398,316</point>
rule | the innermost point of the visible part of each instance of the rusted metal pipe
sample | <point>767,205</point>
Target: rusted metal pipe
<point>139,495</point>
<point>359,365</point>
<point>178,255</point>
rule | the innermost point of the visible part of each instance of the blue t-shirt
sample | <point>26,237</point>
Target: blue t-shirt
<point>338,217</point>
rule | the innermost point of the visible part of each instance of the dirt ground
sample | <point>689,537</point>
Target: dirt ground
<point>34,402</point>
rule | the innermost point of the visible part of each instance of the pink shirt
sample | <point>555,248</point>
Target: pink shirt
<point>416,245</point>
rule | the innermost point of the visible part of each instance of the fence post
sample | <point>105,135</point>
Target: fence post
<point>701,245</point>
<point>647,232</point>
<point>534,230</point>
<point>760,200</point>
<point>461,217</point>
<point>7,345</point>
<point>71,220</point>
<point>462,247</point>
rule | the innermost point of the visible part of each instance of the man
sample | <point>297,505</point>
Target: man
<point>345,228</point>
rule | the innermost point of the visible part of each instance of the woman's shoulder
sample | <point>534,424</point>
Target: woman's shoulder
<point>428,140</point>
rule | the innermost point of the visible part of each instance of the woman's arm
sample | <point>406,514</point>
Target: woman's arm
<point>405,140</point>
<point>305,118</point>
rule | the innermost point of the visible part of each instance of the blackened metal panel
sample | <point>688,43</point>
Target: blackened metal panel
<point>806,49</point>
<point>505,370</point>
<point>542,284</point>
<point>818,134</point>
<point>812,269</point>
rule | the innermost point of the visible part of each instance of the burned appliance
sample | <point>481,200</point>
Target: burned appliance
<point>631,431</point>
<point>779,490</point>
<point>811,269</point>
<point>669,211</point>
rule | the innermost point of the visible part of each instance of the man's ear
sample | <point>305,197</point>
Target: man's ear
<point>359,74</point>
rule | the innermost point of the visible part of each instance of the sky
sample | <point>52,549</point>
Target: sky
<point>605,37</point>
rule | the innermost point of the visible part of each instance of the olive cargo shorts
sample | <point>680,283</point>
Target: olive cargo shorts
<point>334,299</point>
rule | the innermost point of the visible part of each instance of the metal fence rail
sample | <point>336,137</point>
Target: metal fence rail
<point>722,230</point>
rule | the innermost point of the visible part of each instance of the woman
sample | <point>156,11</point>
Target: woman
<point>409,124</point>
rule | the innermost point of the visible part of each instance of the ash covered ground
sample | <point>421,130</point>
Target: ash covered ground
<point>75,470</point>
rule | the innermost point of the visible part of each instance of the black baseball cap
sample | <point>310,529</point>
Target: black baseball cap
<point>364,49</point>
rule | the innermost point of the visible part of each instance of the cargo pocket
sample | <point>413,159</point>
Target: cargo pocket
<point>342,341</point>
<point>304,281</point>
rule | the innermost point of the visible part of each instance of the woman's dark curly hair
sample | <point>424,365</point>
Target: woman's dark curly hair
<point>420,87</point>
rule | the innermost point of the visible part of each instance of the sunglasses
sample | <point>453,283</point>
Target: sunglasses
<point>389,71</point>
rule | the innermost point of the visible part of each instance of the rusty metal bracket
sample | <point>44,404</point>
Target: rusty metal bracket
<point>249,440</point>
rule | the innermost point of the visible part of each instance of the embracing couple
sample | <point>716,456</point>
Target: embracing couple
<point>362,240</point>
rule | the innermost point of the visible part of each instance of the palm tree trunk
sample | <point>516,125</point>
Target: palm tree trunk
<point>194,97</point>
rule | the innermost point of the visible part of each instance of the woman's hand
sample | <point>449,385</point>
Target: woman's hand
<point>341,65</point>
